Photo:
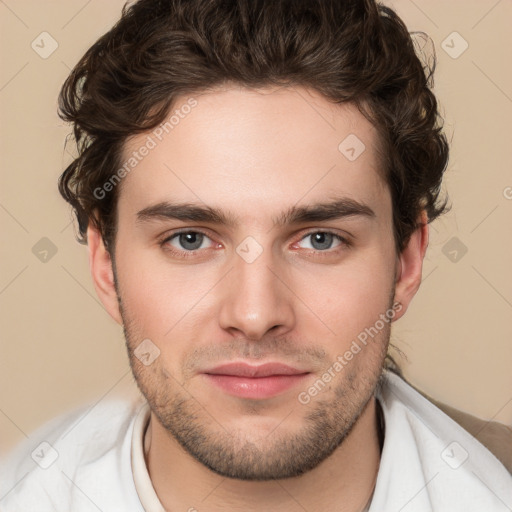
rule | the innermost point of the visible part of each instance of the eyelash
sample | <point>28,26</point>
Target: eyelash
<point>345,243</point>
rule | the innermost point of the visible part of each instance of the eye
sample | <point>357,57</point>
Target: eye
<point>188,241</point>
<point>323,240</point>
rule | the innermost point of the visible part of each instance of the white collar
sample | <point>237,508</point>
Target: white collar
<point>141,479</point>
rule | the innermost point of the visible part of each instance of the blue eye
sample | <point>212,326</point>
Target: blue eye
<point>323,240</point>
<point>191,243</point>
<point>187,240</point>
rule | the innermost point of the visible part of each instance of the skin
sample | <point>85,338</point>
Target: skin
<point>254,154</point>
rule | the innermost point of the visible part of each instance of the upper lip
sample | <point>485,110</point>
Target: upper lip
<point>247,370</point>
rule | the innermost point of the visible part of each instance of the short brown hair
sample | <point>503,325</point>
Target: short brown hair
<point>348,50</point>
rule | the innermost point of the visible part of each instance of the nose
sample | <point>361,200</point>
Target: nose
<point>257,299</point>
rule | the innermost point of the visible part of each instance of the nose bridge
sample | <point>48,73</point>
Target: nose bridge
<point>256,299</point>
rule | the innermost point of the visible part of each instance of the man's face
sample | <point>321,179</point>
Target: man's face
<point>259,289</point>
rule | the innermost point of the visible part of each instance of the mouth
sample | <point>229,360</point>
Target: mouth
<point>255,382</point>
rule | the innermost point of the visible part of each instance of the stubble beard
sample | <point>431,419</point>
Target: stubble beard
<point>282,453</point>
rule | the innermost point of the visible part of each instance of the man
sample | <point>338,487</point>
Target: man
<point>254,182</point>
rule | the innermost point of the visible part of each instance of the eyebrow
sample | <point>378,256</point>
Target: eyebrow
<point>333,210</point>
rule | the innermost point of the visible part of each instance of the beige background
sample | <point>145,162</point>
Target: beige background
<point>59,349</point>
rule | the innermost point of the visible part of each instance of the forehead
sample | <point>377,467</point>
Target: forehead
<point>254,152</point>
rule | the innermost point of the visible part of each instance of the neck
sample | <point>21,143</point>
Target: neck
<point>344,481</point>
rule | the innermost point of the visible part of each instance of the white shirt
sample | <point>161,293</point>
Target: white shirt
<point>93,460</point>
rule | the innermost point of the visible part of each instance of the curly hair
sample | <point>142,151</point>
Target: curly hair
<point>355,51</point>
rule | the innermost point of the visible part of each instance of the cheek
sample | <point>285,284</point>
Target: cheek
<point>158,299</point>
<point>348,298</point>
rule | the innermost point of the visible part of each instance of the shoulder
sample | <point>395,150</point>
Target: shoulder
<point>43,471</point>
<point>426,449</point>
<point>495,436</point>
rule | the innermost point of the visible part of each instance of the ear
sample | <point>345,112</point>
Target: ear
<point>410,266</point>
<point>102,273</point>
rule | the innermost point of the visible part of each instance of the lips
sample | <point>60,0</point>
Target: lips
<point>255,382</point>
<point>246,370</point>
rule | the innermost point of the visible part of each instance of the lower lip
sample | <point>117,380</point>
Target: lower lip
<point>256,388</point>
